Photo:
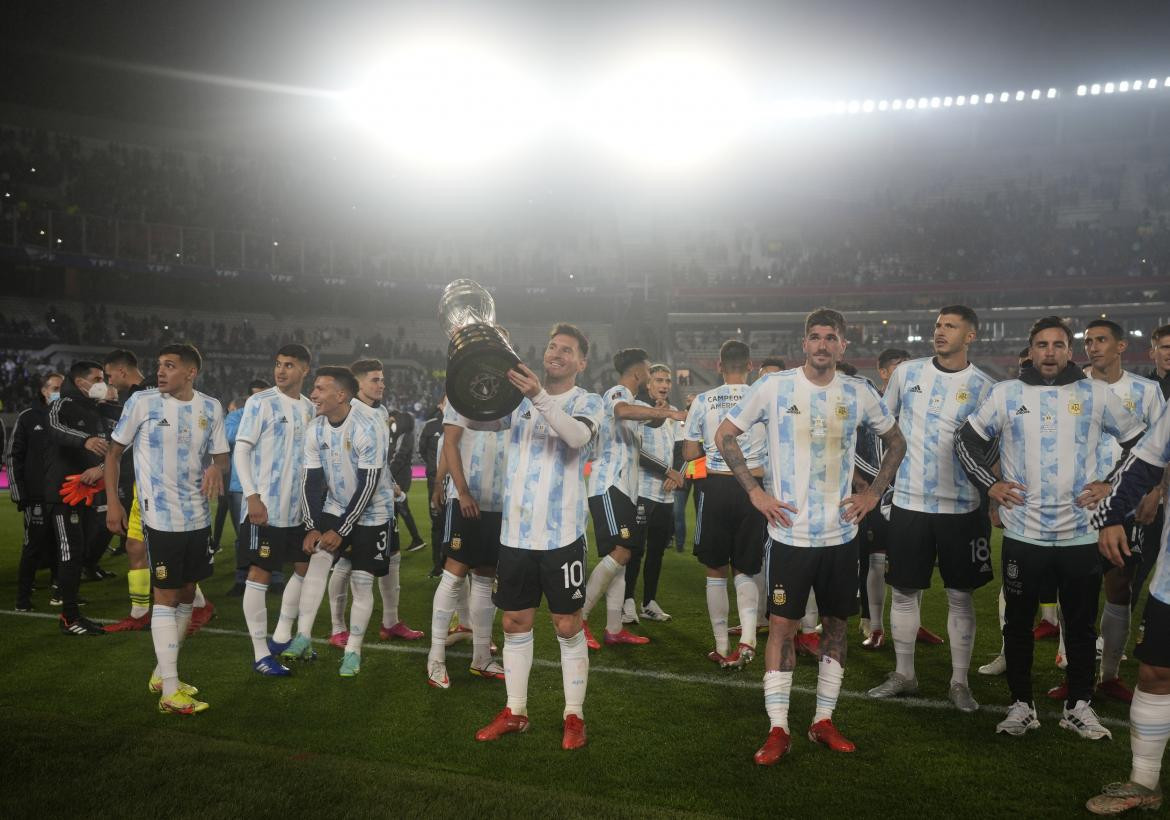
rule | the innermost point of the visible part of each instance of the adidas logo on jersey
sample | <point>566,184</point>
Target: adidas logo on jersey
<point>793,410</point>
<point>527,414</point>
<point>1023,411</point>
<point>576,596</point>
<point>283,420</point>
<point>915,389</point>
<point>164,423</point>
<point>37,428</point>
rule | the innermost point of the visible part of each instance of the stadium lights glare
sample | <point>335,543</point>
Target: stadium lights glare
<point>1052,93</point>
<point>1020,96</point>
<point>1004,97</point>
<point>1123,86</point>
<point>1109,87</point>
<point>1035,93</point>
<point>1095,89</point>
<point>1082,90</point>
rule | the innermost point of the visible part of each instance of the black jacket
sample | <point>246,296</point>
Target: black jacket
<point>26,457</point>
<point>428,443</point>
<point>401,443</point>
<point>73,419</point>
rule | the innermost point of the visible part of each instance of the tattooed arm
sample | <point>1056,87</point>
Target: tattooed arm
<point>858,505</point>
<point>773,509</point>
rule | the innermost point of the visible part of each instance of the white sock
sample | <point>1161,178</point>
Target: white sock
<point>1060,641</point>
<point>256,617</point>
<point>717,608</point>
<point>198,601</point>
<point>517,666</point>
<point>446,596</point>
<point>290,606</point>
<point>961,631</point>
<point>598,584</point>
<point>483,615</point>
<point>905,618</point>
<point>1149,728</point>
<point>574,673</point>
<point>183,620</point>
<point>615,599</point>
<point>829,677</point>
<point>166,647</point>
<point>1048,613</point>
<point>747,601</point>
<point>361,584</point>
<point>391,591</point>
<point>875,589</point>
<point>312,591</point>
<point>777,691</point>
<point>338,594</point>
<point>463,608</point>
<point>1114,634</point>
<point>812,615</point>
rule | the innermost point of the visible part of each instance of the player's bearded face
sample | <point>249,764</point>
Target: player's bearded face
<point>823,347</point>
<point>562,358</point>
<point>1050,351</point>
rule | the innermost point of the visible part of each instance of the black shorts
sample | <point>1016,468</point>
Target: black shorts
<point>473,542</point>
<point>873,533</point>
<point>728,528</point>
<point>1153,640</point>
<point>616,521</point>
<point>523,575</point>
<point>367,548</point>
<point>660,523</point>
<point>270,548</point>
<point>73,530</point>
<point>393,534</point>
<point>830,572</point>
<point>959,542</point>
<point>179,558</point>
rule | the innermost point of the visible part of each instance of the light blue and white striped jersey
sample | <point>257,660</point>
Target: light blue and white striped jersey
<point>545,502</point>
<point>706,414</point>
<point>930,405</point>
<point>615,452</point>
<point>380,413</point>
<point>172,440</point>
<point>657,442</point>
<point>275,425</point>
<point>358,443</point>
<point>1140,396</point>
<point>812,439</point>
<point>1048,441</point>
<point>483,455</point>
<point>1154,448</point>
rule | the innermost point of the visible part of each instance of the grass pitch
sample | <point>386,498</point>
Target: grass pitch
<point>669,734</point>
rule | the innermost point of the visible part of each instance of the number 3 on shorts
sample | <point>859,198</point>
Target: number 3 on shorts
<point>574,573</point>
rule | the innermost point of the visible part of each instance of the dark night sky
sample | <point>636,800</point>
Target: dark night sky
<point>833,49</point>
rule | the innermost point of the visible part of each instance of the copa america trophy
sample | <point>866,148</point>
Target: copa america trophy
<point>479,356</point>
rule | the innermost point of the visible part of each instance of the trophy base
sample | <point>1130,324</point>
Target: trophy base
<point>478,361</point>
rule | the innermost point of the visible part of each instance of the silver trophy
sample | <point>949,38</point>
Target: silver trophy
<point>479,356</point>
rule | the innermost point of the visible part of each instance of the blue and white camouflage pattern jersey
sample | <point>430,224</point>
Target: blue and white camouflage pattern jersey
<point>483,454</point>
<point>812,440</point>
<point>615,461</point>
<point>358,443</point>
<point>1140,396</point>
<point>172,441</point>
<point>1154,449</point>
<point>658,443</point>
<point>1049,440</point>
<point>930,405</point>
<point>708,411</point>
<point>275,426</point>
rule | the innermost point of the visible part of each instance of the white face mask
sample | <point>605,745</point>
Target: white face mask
<point>56,394</point>
<point>99,391</point>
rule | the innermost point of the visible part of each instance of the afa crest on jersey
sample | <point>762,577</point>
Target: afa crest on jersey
<point>265,549</point>
<point>779,596</point>
<point>456,543</point>
<point>160,572</point>
<point>1074,407</point>
<point>203,422</point>
<point>962,396</point>
<point>842,411</point>
<point>625,533</point>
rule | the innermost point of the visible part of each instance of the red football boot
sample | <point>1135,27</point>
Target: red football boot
<point>825,733</point>
<point>574,737</point>
<point>774,748</point>
<point>505,723</point>
<point>625,637</point>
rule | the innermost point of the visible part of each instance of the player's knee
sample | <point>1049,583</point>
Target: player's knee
<point>567,625</point>
<point>514,622</point>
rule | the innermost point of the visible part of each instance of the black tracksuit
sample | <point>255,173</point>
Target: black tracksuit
<point>402,450</point>
<point>428,448</point>
<point>26,482</point>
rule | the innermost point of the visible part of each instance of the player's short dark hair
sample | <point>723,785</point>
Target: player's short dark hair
<point>52,374</point>
<point>626,358</point>
<point>1023,354</point>
<point>846,368</point>
<point>825,316</point>
<point>1115,329</point>
<point>1158,333</point>
<point>963,312</point>
<point>258,384</point>
<point>342,375</point>
<point>660,368</point>
<point>891,355</point>
<point>734,355</point>
<point>122,357</point>
<point>773,361</point>
<point>187,353</point>
<point>566,329</point>
<point>82,367</point>
<point>1048,323</point>
<point>363,366</point>
<point>296,351</point>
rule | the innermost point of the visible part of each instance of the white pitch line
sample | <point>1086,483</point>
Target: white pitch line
<point>731,680</point>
